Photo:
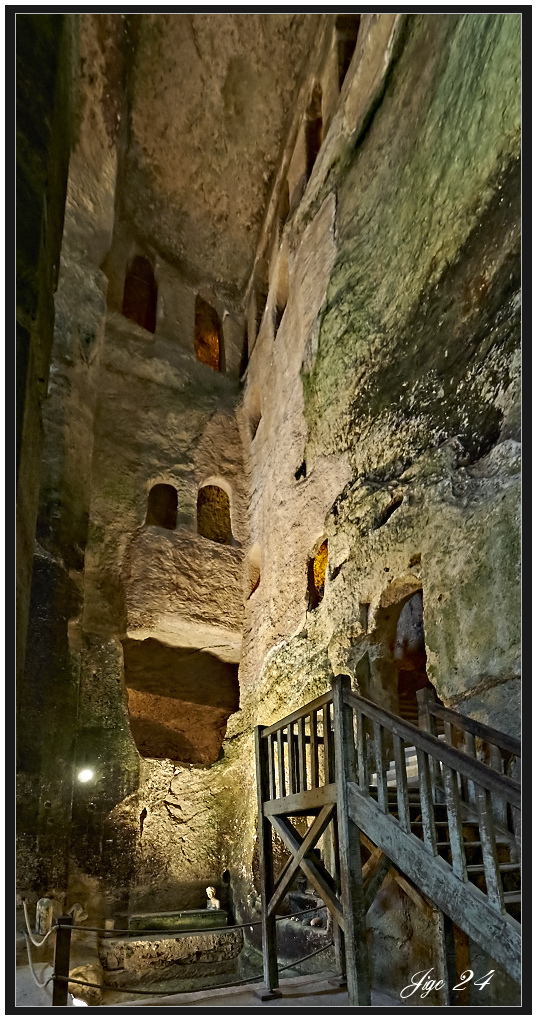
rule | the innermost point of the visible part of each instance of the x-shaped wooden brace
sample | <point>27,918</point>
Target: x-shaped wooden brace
<point>301,850</point>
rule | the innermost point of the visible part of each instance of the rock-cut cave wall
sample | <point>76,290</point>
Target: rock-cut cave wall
<point>390,428</point>
<point>335,490</point>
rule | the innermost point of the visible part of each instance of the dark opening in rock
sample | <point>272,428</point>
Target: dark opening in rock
<point>214,519</point>
<point>364,615</point>
<point>314,128</point>
<point>140,294</point>
<point>245,352</point>
<point>385,514</point>
<point>162,507</point>
<point>179,700</point>
<point>283,206</point>
<point>410,657</point>
<point>316,575</point>
<point>208,335</point>
<point>282,294</point>
<point>254,411</point>
<point>260,292</point>
<point>254,570</point>
<point>347,26</point>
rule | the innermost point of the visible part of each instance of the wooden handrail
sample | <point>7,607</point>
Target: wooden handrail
<point>474,770</point>
<point>324,699</point>
<point>356,735</point>
<point>464,722</point>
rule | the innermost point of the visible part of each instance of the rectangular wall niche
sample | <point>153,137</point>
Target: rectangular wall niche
<point>179,700</point>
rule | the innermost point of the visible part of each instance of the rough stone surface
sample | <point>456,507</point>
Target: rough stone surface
<point>179,700</point>
<point>156,958</point>
<point>197,171</point>
<point>370,400</point>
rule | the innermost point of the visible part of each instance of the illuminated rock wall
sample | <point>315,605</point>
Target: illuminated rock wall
<point>371,410</point>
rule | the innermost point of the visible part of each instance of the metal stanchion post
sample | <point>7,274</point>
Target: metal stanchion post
<point>61,961</point>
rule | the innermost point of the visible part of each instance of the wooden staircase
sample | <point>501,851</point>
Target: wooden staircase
<point>437,807</point>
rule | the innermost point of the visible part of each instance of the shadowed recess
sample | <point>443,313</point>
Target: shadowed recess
<point>208,335</point>
<point>162,507</point>
<point>179,700</point>
<point>316,575</point>
<point>314,127</point>
<point>214,520</point>
<point>347,26</point>
<point>140,294</point>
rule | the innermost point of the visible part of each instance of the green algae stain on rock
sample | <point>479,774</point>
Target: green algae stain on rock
<point>440,155</point>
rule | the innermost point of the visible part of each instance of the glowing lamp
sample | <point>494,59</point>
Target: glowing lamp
<point>85,775</point>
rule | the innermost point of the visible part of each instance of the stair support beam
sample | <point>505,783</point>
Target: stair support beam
<point>270,957</point>
<point>288,874</point>
<point>352,891</point>
<point>497,934</point>
<point>314,870</point>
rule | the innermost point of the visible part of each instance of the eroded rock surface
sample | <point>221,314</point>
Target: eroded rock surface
<point>357,240</point>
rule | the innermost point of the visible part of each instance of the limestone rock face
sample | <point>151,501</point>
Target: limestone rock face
<point>185,589</point>
<point>179,700</point>
<point>354,241</point>
<point>211,99</point>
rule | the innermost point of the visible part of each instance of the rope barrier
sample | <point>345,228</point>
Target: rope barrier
<point>36,942</point>
<point>207,988</point>
<point>40,984</point>
<point>173,932</point>
<point>182,931</point>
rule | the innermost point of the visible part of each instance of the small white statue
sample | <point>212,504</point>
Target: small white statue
<point>78,913</point>
<point>43,915</point>
<point>212,902</point>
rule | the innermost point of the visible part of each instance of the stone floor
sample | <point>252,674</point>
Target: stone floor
<point>311,990</point>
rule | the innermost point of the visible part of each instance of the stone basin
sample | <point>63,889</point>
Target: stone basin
<point>180,920</point>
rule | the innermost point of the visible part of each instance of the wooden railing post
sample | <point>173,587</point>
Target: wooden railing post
<point>60,984</point>
<point>350,863</point>
<point>425,698</point>
<point>266,869</point>
<point>337,932</point>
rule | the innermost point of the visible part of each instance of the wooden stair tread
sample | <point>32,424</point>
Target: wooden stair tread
<point>441,824</point>
<point>474,869</point>
<point>512,897</point>
<point>476,843</point>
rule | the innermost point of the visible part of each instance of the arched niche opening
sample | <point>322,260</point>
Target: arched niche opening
<point>162,506</point>
<point>410,657</point>
<point>140,294</point>
<point>208,341</point>
<point>399,634</point>
<point>253,570</point>
<point>213,514</point>
<point>317,575</point>
<point>313,127</point>
<point>282,292</point>
<point>347,26</point>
